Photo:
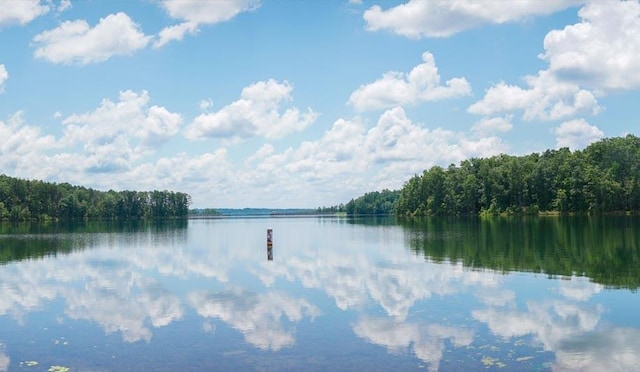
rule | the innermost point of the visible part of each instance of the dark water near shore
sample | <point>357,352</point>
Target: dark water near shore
<point>339,294</point>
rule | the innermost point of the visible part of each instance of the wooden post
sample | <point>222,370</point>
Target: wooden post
<point>270,244</point>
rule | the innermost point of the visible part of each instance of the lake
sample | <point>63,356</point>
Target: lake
<point>374,294</point>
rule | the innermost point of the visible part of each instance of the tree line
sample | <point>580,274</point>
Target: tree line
<point>374,203</point>
<point>602,178</point>
<point>24,200</point>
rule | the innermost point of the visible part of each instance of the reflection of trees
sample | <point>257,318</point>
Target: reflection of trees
<point>425,341</point>
<point>34,240</point>
<point>258,316</point>
<point>605,249</point>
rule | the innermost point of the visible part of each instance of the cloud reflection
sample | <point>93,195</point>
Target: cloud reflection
<point>4,362</point>
<point>572,330</point>
<point>259,317</point>
<point>425,341</point>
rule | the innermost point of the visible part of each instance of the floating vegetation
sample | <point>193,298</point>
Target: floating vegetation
<point>29,363</point>
<point>58,369</point>
<point>490,362</point>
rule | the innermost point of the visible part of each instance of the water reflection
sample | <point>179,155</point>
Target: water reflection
<point>258,316</point>
<point>425,341</point>
<point>605,249</point>
<point>573,331</point>
<point>454,292</point>
<point>4,359</point>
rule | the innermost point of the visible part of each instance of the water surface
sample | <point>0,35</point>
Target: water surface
<point>334,294</point>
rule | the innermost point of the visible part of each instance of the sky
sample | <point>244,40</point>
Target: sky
<point>303,103</point>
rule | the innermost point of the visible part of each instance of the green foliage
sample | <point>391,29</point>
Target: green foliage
<point>373,203</point>
<point>603,178</point>
<point>24,200</point>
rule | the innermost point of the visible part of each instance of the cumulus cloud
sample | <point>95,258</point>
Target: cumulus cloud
<point>115,146</point>
<point>442,18</point>
<point>118,133</point>
<point>22,146</point>
<point>577,134</point>
<point>21,11</point>
<point>256,113</point>
<point>129,116</point>
<point>75,42</point>
<point>602,51</point>
<point>594,57</point>
<point>4,75</point>
<point>491,125</point>
<point>397,88</point>
<point>195,13</point>
<point>546,98</point>
<point>383,156</point>
<point>64,5</point>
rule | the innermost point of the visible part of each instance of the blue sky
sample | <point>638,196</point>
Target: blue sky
<point>303,103</point>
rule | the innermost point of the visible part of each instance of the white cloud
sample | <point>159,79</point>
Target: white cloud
<point>75,42</point>
<point>492,125</point>
<point>397,88</point>
<point>4,75</point>
<point>397,138</point>
<point>22,146</point>
<point>64,5</point>
<point>256,113</point>
<point>383,156</point>
<point>130,116</point>
<point>205,104</point>
<point>598,55</point>
<point>115,146</point>
<point>577,134</point>
<point>546,98</point>
<point>602,51</point>
<point>196,13</point>
<point>115,135</point>
<point>442,18</point>
<point>21,11</point>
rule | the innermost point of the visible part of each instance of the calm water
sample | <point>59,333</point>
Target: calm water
<point>338,294</point>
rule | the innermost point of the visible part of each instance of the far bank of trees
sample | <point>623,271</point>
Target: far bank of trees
<point>374,203</point>
<point>23,200</point>
<point>602,178</point>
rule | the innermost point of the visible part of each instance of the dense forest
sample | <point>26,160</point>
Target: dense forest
<point>374,203</point>
<point>602,178</point>
<point>24,200</point>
